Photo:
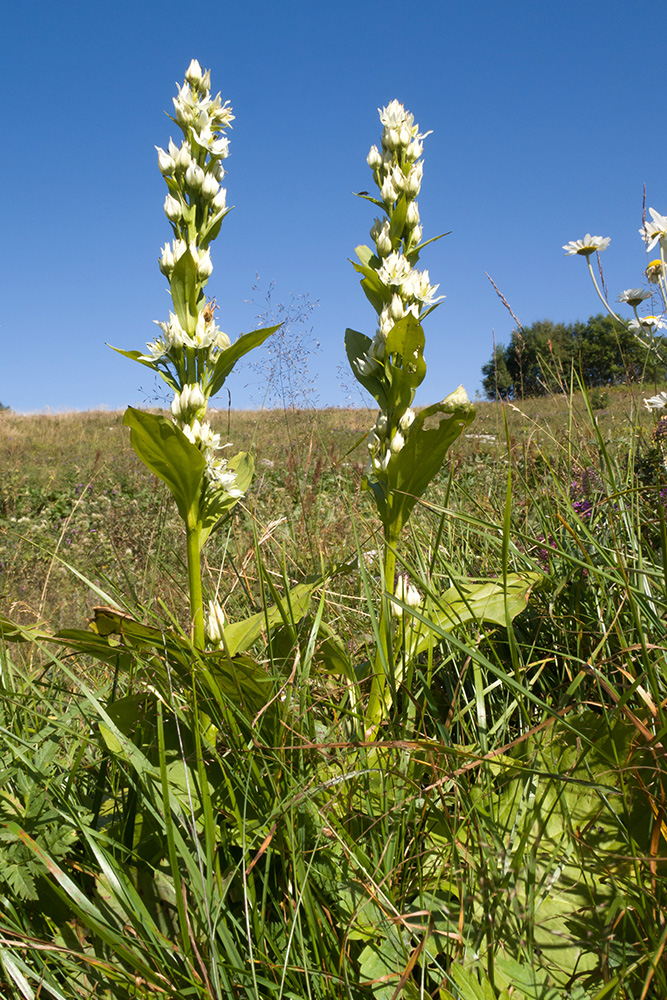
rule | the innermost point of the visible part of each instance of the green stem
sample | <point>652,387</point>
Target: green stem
<point>194,581</point>
<point>600,295</point>
<point>384,658</point>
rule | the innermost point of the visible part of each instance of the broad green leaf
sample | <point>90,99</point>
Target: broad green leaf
<point>184,291</point>
<point>138,356</point>
<point>490,602</point>
<point>243,682</point>
<point>404,361</point>
<point>423,454</point>
<point>398,218</point>
<point>11,632</point>
<point>373,201</point>
<point>374,290</point>
<point>165,450</point>
<point>228,358</point>
<point>367,257</point>
<point>413,256</point>
<point>356,346</point>
<point>241,635</point>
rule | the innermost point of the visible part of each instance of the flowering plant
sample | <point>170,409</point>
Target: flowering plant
<point>644,327</point>
<point>404,456</point>
<point>191,354</point>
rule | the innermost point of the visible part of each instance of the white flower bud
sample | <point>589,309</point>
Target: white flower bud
<point>407,593</point>
<point>416,235</point>
<point>412,215</point>
<point>183,157</point>
<point>210,187</point>
<point>381,425</point>
<point>204,265</point>
<point>414,180</point>
<point>193,73</point>
<point>380,235</point>
<point>385,322</point>
<point>405,134</point>
<point>391,138</point>
<point>189,401</point>
<point>377,349</point>
<point>165,162</point>
<point>397,443</point>
<point>366,365</point>
<point>194,176</point>
<point>167,260</point>
<point>388,192</point>
<point>414,150</point>
<point>215,622</point>
<point>172,209</point>
<point>396,308</point>
<point>374,159</point>
<point>407,419</point>
<point>398,179</point>
<point>220,200</point>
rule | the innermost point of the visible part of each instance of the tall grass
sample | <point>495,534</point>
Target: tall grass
<point>188,824</point>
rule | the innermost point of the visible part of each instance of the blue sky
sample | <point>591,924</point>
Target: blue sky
<point>546,122</point>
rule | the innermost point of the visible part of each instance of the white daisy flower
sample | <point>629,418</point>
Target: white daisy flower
<point>587,246</point>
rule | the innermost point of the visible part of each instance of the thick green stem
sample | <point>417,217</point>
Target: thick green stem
<point>194,582</point>
<point>384,656</point>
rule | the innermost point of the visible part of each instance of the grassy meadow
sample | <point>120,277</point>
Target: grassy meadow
<point>502,835</point>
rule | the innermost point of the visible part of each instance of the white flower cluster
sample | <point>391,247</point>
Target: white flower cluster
<point>215,623</point>
<point>384,441</point>
<point>195,206</point>
<point>406,291</point>
<point>654,233</point>
<point>206,337</point>
<point>398,172</point>
<point>193,171</point>
<point>407,593</point>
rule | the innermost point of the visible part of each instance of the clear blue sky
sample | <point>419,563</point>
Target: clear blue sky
<point>546,119</point>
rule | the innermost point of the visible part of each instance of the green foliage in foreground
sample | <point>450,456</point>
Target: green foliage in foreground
<point>540,358</point>
<point>187,824</point>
